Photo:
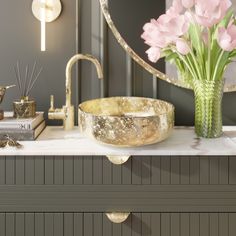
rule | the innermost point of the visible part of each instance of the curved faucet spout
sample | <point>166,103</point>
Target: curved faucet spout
<point>66,113</point>
<point>69,66</point>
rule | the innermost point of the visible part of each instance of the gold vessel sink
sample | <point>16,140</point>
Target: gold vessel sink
<point>126,121</point>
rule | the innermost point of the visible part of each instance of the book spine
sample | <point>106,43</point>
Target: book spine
<point>19,126</point>
<point>23,135</point>
<point>22,125</point>
<point>19,136</point>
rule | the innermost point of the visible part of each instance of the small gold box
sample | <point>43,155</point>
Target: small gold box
<point>24,108</point>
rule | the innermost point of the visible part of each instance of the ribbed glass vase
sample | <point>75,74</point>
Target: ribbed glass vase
<point>208,108</point>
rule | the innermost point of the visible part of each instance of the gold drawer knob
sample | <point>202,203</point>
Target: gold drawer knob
<point>118,217</point>
<point>118,160</point>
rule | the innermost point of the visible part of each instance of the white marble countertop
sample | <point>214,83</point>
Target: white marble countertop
<point>54,141</point>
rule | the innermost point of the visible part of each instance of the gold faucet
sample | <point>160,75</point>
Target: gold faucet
<point>66,113</point>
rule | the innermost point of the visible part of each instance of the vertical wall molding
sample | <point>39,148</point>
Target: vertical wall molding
<point>95,47</point>
<point>130,82</point>
<point>129,76</point>
<point>155,86</point>
<point>104,48</point>
<point>78,50</point>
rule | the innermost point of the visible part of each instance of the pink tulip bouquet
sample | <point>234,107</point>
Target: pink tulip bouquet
<point>199,38</point>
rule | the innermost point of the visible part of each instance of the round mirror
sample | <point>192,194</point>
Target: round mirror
<point>126,19</point>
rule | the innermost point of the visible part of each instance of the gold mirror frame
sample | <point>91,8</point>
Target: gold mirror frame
<point>105,9</point>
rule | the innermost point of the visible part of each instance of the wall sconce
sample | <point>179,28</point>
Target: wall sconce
<point>46,11</point>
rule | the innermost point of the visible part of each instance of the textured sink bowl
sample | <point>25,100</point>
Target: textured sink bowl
<point>126,121</point>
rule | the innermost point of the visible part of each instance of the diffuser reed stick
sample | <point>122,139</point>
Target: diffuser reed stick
<point>26,82</point>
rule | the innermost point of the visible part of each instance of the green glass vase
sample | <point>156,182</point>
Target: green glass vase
<point>208,107</point>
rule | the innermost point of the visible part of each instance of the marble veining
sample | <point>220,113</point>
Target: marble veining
<point>183,142</point>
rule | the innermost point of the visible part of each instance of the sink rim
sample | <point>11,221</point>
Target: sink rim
<point>171,107</point>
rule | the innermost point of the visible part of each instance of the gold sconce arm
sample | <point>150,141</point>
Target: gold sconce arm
<point>46,11</point>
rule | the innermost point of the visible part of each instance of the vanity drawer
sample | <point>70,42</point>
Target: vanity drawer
<point>97,170</point>
<point>93,184</point>
<point>97,224</point>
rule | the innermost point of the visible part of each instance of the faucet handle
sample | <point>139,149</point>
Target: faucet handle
<point>52,108</point>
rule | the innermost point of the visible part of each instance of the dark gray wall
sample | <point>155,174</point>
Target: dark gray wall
<point>20,40</point>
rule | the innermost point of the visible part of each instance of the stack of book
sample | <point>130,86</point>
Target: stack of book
<point>22,129</point>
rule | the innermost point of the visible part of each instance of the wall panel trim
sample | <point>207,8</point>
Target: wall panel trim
<point>129,76</point>
<point>104,47</point>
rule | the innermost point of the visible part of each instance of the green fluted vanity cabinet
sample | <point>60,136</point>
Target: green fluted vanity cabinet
<point>63,184</point>
<point>169,196</point>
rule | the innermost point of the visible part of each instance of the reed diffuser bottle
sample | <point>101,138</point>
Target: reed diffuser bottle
<point>25,107</point>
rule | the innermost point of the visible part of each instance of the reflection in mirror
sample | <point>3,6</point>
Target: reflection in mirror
<point>126,19</point>
<point>139,59</point>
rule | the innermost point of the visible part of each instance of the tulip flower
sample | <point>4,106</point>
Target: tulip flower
<point>211,12</point>
<point>187,33</point>
<point>188,3</point>
<point>179,5</point>
<point>154,54</point>
<point>182,47</point>
<point>176,7</point>
<point>166,30</point>
<point>153,35</point>
<point>227,38</point>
